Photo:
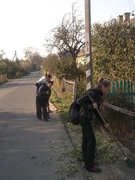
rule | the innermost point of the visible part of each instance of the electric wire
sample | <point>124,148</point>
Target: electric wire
<point>132,7</point>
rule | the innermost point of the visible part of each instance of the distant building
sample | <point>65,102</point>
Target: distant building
<point>126,18</point>
<point>81,58</point>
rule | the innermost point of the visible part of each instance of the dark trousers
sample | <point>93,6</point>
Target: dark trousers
<point>88,142</point>
<point>41,106</point>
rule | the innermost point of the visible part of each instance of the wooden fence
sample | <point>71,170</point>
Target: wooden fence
<point>71,87</point>
<point>124,86</point>
<point>66,85</point>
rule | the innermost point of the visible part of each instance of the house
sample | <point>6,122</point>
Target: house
<point>126,18</point>
<point>81,58</point>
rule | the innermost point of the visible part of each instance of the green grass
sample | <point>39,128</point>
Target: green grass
<point>62,103</point>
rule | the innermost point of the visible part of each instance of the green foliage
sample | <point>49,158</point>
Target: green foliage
<point>62,103</point>
<point>3,67</point>
<point>49,62</point>
<point>14,69</point>
<point>120,100</point>
<point>114,55</point>
<point>65,67</point>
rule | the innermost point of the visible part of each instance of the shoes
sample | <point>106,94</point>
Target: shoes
<point>94,169</point>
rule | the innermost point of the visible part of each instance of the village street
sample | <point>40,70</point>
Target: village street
<point>36,150</point>
<point>31,149</point>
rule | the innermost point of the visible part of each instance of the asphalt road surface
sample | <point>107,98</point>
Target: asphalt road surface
<point>31,149</point>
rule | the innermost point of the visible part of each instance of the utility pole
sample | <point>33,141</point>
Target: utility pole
<point>88,49</point>
<point>15,56</point>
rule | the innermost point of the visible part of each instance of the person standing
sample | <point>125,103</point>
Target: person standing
<point>42,99</point>
<point>87,111</point>
<point>42,80</point>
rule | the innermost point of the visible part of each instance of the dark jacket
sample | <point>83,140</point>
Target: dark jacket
<point>43,92</point>
<point>87,109</point>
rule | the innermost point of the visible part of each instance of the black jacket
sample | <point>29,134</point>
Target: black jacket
<point>87,109</point>
<point>43,92</point>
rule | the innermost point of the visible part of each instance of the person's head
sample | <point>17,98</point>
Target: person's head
<point>49,76</point>
<point>104,85</point>
<point>49,84</point>
<point>47,73</point>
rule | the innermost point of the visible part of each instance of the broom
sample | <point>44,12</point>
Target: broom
<point>126,158</point>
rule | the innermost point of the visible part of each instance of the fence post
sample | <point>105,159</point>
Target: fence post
<point>113,88</point>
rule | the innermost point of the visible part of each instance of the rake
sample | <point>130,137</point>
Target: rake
<point>126,158</point>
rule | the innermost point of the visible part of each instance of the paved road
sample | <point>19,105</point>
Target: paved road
<point>32,149</point>
<point>38,150</point>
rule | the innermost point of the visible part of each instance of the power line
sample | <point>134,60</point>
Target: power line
<point>132,7</point>
<point>131,4</point>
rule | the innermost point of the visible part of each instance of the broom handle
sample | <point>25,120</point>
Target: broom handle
<point>97,109</point>
<point>109,129</point>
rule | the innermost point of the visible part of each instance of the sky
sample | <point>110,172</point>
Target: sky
<point>26,23</point>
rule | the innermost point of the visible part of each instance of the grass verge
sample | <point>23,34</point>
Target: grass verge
<point>106,150</point>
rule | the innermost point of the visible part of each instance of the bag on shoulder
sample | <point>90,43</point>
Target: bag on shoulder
<point>74,113</point>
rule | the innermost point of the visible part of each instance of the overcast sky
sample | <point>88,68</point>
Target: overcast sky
<point>25,23</point>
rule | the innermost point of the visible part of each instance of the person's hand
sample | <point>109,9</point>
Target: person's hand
<point>95,106</point>
<point>47,92</point>
<point>107,125</point>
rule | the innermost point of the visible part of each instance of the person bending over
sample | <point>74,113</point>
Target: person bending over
<point>42,99</point>
<point>87,110</point>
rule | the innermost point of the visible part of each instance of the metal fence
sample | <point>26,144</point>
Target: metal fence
<point>126,87</point>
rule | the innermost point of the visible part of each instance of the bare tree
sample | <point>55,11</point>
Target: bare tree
<point>68,37</point>
<point>34,57</point>
<point>2,53</point>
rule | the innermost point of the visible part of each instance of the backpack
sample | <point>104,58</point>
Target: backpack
<point>74,113</point>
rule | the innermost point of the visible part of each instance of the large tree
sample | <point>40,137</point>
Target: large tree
<point>68,37</point>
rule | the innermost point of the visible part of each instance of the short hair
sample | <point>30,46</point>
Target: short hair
<point>103,82</point>
<point>49,76</point>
